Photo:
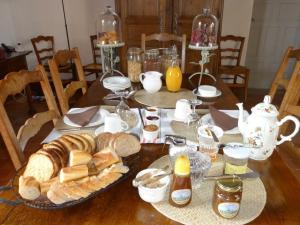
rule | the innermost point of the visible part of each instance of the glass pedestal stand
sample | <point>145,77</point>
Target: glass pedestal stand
<point>107,59</point>
<point>205,55</point>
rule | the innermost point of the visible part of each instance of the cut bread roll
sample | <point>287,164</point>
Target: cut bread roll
<point>105,158</point>
<point>73,173</point>
<point>78,157</point>
<point>45,186</point>
<point>29,188</point>
<point>40,167</point>
<point>126,145</point>
<point>103,140</point>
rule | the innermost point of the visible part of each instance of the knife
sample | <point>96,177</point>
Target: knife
<point>250,175</point>
<point>79,128</point>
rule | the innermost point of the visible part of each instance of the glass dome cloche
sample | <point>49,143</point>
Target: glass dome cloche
<point>205,30</point>
<point>109,30</point>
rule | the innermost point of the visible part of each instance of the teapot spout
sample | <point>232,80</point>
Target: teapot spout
<point>241,122</point>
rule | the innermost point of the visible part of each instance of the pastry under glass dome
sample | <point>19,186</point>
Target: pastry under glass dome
<point>204,30</point>
<point>109,30</point>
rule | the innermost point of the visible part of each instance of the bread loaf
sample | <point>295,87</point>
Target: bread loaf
<point>105,158</point>
<point>126,145</point>
<point>29,188</point>
<point>91,140</point>
<point>103,140</point>
<point>40,167</point>
<point>56,161</point>
<point>78,157</point>
<point>73,173</point>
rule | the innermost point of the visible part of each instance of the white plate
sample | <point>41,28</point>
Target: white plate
<point>206,119</point>
<point>218,93</point>
<point>96,120</point>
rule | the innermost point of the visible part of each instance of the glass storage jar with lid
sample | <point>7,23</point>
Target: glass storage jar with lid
<point>167,58</point>
<point>205,30</point>
<point>151,60</point>
<point>134,64</point>
<point>109,30</point>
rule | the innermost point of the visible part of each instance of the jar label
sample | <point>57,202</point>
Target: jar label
<point>228,209</point>
<point>181,196</point>
<point>233,169</point>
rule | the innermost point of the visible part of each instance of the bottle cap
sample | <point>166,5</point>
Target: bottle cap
<point>182,165</point>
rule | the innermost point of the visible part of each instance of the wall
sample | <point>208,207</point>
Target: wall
<point>7,35</point>
<point>237,20</point>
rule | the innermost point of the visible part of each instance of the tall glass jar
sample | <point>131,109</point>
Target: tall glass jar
<point>134,64</point>
<point>167,57</point>
<point>173,76</point>
<point>109,28</point>
<point>151,60</point>
<point>205,30</point>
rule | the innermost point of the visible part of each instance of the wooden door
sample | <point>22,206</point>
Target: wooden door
<point>184,12</point>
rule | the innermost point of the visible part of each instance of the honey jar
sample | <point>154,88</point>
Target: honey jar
<point>227,197</point>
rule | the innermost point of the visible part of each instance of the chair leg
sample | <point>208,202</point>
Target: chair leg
<point>246,86</point>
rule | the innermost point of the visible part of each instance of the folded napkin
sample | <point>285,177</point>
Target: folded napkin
<point>223,120</point>
<point>83,118</point>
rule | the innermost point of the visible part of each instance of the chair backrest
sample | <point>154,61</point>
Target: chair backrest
<point>43,47</point>
<point>95,49</point>
<point>12,84</point>
<point>165,37</point>
<point>280,77</point>
<point>233,53</point>
<point>63,95</point>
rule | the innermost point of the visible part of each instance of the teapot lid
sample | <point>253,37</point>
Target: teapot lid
<point>265,108</point>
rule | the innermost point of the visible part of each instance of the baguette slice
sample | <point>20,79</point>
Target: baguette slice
<point>45,186</point>
<point>29,188</point>
<point>73,173</point>
<point>105,158</point>
<point>78,157</point>
<point>55,194</point>
<point>40,167</point>
<point>118,168</point>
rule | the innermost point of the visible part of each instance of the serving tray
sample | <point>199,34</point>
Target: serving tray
<point>43,202</point>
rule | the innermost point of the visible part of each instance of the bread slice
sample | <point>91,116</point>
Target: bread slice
<point>59,153</point>
<point>126,145</point>
<point>103,140</point>
<point>105,158</point>
<point>57,196</point>
<point>83,183</point>
<point>29,188</point>
<point>68,145</point>
<point>45,186</point>
<point>78,157</point>
<point>72,190</point>
<point>40,167</point>
<point>118,168</point>
<point>73,173</point>
<point>91,140</point>
<point>54,158</point>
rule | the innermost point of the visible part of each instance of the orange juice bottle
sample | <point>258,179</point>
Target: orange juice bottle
<point>174,76</point>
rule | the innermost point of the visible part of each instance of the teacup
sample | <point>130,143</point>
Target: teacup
<point>150,132</point>
<point>183,109</point>
<point>113,123</point>
<point>207,90</point>
<point>151,111</point>
<point>153,120</point>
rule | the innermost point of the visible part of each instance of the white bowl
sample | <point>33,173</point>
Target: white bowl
<point>153,195</point>
<point>207,90</point>
<point>151,111</point>
<point>203,136</point>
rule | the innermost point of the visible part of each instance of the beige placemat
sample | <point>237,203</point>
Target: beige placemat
<point>200,211</point>
<point>163,98</point>
<point>190,133</point>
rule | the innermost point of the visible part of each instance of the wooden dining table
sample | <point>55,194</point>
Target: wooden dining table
<point>121,203</point>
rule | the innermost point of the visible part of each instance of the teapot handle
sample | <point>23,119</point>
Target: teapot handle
<point>296,130</point>
<point>142,77</point>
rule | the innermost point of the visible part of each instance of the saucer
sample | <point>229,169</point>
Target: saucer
<point>218,93</point>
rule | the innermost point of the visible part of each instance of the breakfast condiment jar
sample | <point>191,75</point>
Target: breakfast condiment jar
<point>134,64</point>
<point>261,129</point>
<point>181,188</point>
<point>227,197</point>
<point>174,76</point>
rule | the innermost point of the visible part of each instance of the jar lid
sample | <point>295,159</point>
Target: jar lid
<point>236,151</point>
<point>152,52</point>
<point>182,165</point>
<point>134,50</point>
<point>233,184</point>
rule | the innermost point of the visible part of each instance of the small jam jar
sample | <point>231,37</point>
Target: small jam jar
<point>227,197</point>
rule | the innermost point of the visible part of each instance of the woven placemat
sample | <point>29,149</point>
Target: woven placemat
<point>200,211</point>
<point>190,133</point>
<point>163,98</point>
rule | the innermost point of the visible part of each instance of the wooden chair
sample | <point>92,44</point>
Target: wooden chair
<point>234,69</point>
<point>13,84</point>
<point>165,37</point>
<point>94,67</point>
<point>280,77</point>
<point>46,52</point>
<point>64,95</point>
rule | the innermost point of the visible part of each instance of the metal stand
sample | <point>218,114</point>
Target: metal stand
<point>107,60</point>
<point>205,55</point>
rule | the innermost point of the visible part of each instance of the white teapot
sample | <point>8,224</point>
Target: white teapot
<point>151,81</point>
<point>261,128</point>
